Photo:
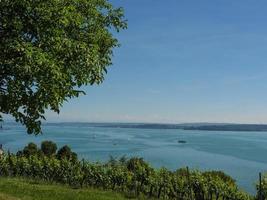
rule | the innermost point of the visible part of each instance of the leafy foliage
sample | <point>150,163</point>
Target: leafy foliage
<point>30,149</point>
<point>49,148</point>
<point>49,49</point>
<point>66,153</point>
<point>134,177</point>
<point>263,188</point>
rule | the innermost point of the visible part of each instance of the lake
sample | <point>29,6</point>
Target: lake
<point>240,154</point>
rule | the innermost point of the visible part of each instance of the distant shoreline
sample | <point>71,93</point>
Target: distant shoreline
<point>189,126</point>
<point>183,126</point>
<point>241,128</point>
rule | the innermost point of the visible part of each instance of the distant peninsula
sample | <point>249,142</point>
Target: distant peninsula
<point>230,127</point>
<point>189,126</point>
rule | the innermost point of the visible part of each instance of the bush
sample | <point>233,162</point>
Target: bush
<point>49,148</point>
<point>66,153</point>
<point>30,149</point>
<point>263,187</point>
<point>219,174</point>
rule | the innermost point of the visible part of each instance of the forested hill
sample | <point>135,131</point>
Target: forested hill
<point>191,126</point>
<point>230,127</point>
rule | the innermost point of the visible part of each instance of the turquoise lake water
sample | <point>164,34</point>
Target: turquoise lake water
<point>240,154</point>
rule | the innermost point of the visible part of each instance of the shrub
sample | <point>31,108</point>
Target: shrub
<point>66,153</point>
<point>49,148</point>
<point>263,188</point>
<point>30,149</point>
<point>223,176</point>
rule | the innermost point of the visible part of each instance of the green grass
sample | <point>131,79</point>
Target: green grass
<point>7,197</point>
<point>21,189</point>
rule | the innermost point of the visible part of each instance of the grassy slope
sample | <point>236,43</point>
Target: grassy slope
<point>19,189</point>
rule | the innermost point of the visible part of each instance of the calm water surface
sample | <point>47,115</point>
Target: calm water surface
<point>240,154</point>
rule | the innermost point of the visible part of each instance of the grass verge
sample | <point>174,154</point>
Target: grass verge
<point>21,189</point>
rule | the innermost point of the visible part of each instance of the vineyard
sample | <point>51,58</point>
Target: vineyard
<point>133,177</point>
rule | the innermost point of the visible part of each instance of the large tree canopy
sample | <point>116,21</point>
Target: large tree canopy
<point>49,49</point>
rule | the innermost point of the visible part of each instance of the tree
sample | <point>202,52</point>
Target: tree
<point>49,148</point>
<point>30,149</point>
<point>66,153</point>
<point>49,49</point>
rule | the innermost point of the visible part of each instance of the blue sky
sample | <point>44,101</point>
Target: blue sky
<point>183,61</point>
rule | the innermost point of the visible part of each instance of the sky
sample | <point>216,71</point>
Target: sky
<point>182,61</point>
